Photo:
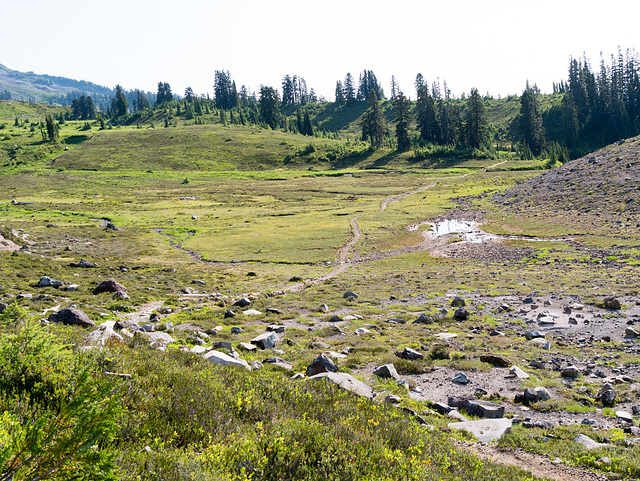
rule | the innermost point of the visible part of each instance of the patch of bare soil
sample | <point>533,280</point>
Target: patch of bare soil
<point>539,466</point>
<point>7,244</point>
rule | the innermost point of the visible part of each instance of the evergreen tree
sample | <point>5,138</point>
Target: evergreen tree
<point>189,95</point>
<point>288,91</point>
<point>367,83</point>
<point>530,120</point>
<point>349,89</point>
<point>476,121</point>
<point>269,106</point>
<point>373,126</point>
<point>339,93</point>
<point>52,129</point>
<point>307,128</point>
<point>225,90</point>
<point>299,124</point>
<point>401,105</point>
<point>427,118</point>
<point>164,94</point>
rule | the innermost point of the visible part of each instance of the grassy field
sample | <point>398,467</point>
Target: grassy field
<point>208,213</point>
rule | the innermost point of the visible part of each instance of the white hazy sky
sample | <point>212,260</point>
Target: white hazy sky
<point>493,45</point>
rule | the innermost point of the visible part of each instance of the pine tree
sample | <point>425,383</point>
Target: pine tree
<point>339,93</point>
<point>307,128</point>
<point>426,114</point>
<point>476,121</point>
<point>52,129</point>
<point>269,107</point>
<point>401,105</point>
<point>349,89</point>
<point>530,120</point>
<point>373,126</point>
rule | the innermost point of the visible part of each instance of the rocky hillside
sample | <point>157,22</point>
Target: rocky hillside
<point>605,182</point>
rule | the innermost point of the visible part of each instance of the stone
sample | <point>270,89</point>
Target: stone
<point>546,321</point>
<point>271,310</point>
<point>386,371</point>
<point>531,396</point>
<point>222,359</point>
<point>242,302</point>
<point>321,364</point>
<point>229,313</point>
<point>612,303</point>
<point>248,347</point>
<point>266,340</point>
<point>199,349</point>
<point>103,336</point>
<point>461,314</point>
<point>350,294</point>
<point>624,416</point>
<point>256,365</point>
<point>71,317</point>
<point>318,345</point>
<point>458,302</point>
<point>157,337</point>
<point>336,318</point>
<point>445,336</point>
<point>252,312</point>
<point>423,319</point>
<point>485,430</point>
<point>485,409</point>
<point>459,401</point>
<point>541,343</point>
<point>533,335</point>
<point>587,442</point>
<point>85,264</point>
<point>410,354</point>
<point>635,410</point>
<point>630,332</point>
<point>392,399</point>
<point>495,360</point>
<point>110,285</point>
<point>223,345</point>
<point>361,330</point>
<point>236,330</point>
<point>46,281</point>
<point>460,378</point>
<point>455,414</point>
<point>279,362</point>
<point>570,371</point>
<point>542,392</point>
<point>347,382</point>
<point>3,306</point>
<point>607,395</point>
<point>519,373</point>
<point>276,328</point>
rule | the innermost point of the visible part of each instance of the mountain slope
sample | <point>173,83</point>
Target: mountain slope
<point>605,182</point>
<point>37,88</point>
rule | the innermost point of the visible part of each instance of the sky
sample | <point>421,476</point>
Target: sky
<point>495,46</point>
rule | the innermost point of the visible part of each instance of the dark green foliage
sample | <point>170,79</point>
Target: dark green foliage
<point>373,125</point>
<point>339,93</point>
<point>530,120</point>
<point>476,123</point>
<point>225,91</point>
<point>349,92</point>
<point>164,93</point>
<point>426,115</point>
<point>369,83</point>
<point>119,104</point>
<point>57,413</point>
<point>52,129</point>
<point>401,104</point>
<point>269,107</point>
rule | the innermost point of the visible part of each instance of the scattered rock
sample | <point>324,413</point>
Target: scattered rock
<point>71,317</point>
<point>458,302</point>
<point>279,362</point>
<point>387,371</point>
<point>266,340</point>
<point>410,354</point>
<point>607,395</point>
<point>423,319</point>
<point>460,378</point>
<point>612,303</point>
<point>222,359</point>
<point>46,281</point>
<point>321,364</point>
<point>346,381</point>
<point>242,302</point>
<point>485,430</point>
<point>570,371</point>
<point>519,373</point>
<point>461,314</point>
<point>495,360</point>
<point>350,294</point>
<point>587,442</point>
<point>485,409</point>
<point>110,285</point>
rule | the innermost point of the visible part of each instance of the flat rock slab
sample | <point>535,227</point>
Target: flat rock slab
<point>445,336</point>
<point>485,430</point>
<point>588,443</point>
<point>267,340</point>
<point>348,382</point>
<point>485,409</point>
<point>222,359</point>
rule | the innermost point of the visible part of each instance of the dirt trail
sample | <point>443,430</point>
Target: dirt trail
<point>344,253</point>
<point>539,466</point>
<point>142,314</point>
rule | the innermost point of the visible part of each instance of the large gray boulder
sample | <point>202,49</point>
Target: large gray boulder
<point>346,381</point>
<point>222,359</point>
<point>46,281</point>
<point>267,340</point>
<point>387,371</point>
<point>485,430</point>
<point>321,364</point>
<point>485,409</point>
<point>103,336</point>
<point>71,317</point>
<point>110,285</point>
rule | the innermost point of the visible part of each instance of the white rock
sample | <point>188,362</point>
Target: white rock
<point>222,359</point>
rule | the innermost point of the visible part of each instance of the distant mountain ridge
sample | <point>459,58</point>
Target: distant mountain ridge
<point>42,88</point>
